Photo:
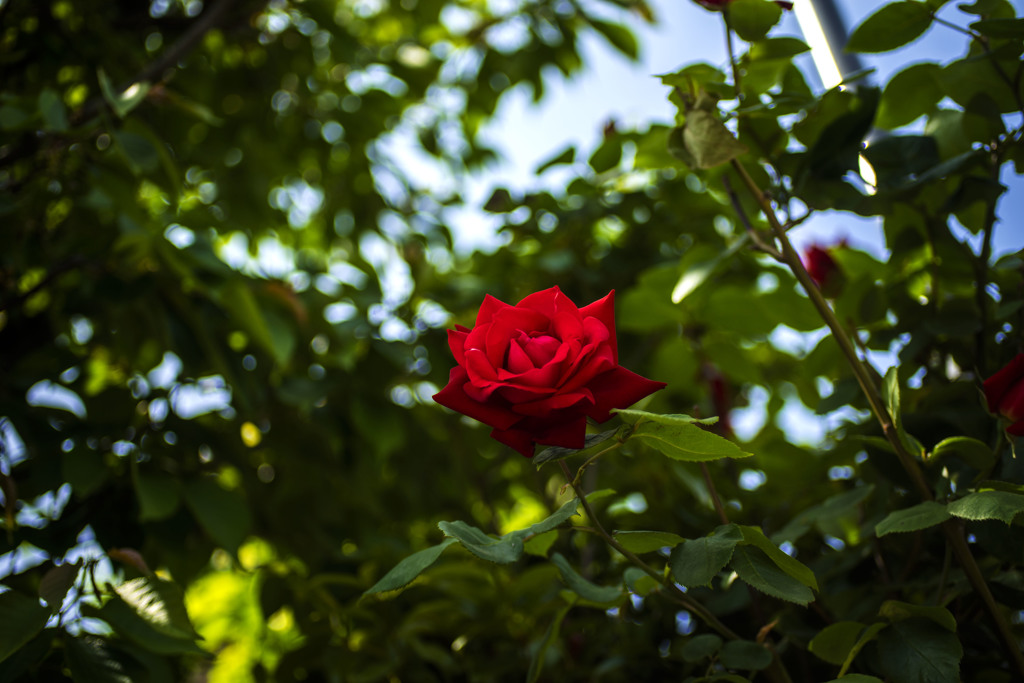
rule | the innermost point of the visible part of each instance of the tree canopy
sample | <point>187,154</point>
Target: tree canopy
<point>227,263</point>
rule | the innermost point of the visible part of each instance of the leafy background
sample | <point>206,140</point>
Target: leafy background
<point>223,304</point>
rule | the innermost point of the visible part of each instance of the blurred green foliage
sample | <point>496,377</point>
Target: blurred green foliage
<point>222,303</point>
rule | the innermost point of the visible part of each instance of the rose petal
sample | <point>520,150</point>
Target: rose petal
<point>1017,428</point>
<point>454,396</point>
<point>567,325</point>
<point>457,342</point>
<point>593,364</point>
<point>505,326</point>
<point>519,361</point>
<point>619,388</point>
<point>544,302</point>
<point>542,349</point>
<point>565,433</point>
<point>518,439</point>
<point>1011,406</point>
<point>515,394</point>
<point>997,385</point>
<point>546,376</point>
<point>604,310</point>
<point>546,407</point>
<point>488,309</point>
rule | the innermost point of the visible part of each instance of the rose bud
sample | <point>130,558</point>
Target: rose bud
<point>535,372</point>
<point>1004,392</point>
<point>824,271</point>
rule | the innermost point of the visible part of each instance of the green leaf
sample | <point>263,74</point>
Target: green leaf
<point>1001,505</point>
<point>129,624</point>
<point>701,647</point>
<point>553,453</point>
<point>500,550</point>
<point>919,651</point>
<point>540,544</point>
<point>857,678</point>
<point>921,516</point>
<point>777,48</point>
<point>892,26</point>
<point>122,103</point>
<point>562,515</point>
<point>1000,28</point>
<point>584,588</point>
<point>238,299</point>
<point>620,37</point>
<point>752,19</point>
<point>607,156</point>
<point>692,278</point>
<point>56,583</point>
<point>402,574</point>
<point>89,659</point>
<point>910,94</point>
<point>138,152</point>
<point>745,655</point>
<point>160,603</point>
<point>696,562</point>
<point>869,634</point>
<point>55,115</point>
<point>550,636</point>
<point>894,611</point>
<point>677,437</point>
<point>835,642</point>
<point>970,451</point>
<point>23,618</point>
<point>566,156</point>
<point>830,511</point>
<point>753,535</point>
<point>891,394</point>
<point>222,513</point>
<point>640,542</point>
<point>158,495</point>
<point>754,567</point>
<point>638,581</point>
<point>12,117</point>
<point>704,141</point>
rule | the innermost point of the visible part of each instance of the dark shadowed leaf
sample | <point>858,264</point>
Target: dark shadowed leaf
<point>754,567</point>
<point>919,651</point>
<point>892,26</point>
<point>584,588</point>
<point>23,618</point>
<point>835,642</point>
<point>409,568</point>
<point>696,562</point>
<point>921,516</point>
<point>1001,505</point>
<point>56,583</point>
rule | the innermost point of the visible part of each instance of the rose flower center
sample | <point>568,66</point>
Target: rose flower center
<point>536,347</point>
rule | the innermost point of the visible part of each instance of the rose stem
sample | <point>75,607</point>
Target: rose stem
<point>950,527</point>
<point>778,673</point>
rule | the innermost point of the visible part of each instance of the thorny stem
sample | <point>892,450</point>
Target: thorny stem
<point>776,672</point>
<point>590,461</point>
<point>953,533</point>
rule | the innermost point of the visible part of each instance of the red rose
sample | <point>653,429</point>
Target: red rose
<point>823,270</point>
<point>1004,392</point>
<point>537,370</point>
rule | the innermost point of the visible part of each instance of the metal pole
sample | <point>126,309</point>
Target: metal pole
<point>825,31</point>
